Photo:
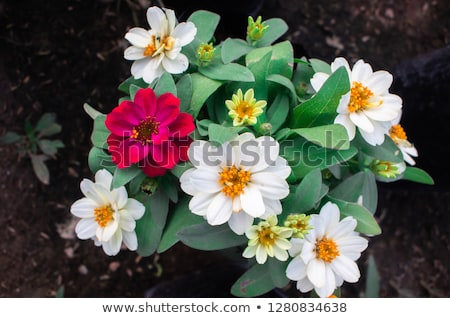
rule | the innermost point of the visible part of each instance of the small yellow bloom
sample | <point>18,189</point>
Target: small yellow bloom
<point>244,109</point>
<point>205,53</point>
<point>299,223</point>
<point>256,29</point>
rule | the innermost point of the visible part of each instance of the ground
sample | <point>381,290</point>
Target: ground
<point>57,55</point>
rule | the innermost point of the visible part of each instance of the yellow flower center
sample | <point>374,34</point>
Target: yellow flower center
<point>244,109</point>
<point>103,215</point>
<point>267,237</point>
<point>157,45</point>
<point>233,180</point>
<point>145,130</point>
<point>397,132</point>
<point>359,97</point>
<point>326,250</point>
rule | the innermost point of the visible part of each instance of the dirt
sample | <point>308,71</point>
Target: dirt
<point>55,56</point>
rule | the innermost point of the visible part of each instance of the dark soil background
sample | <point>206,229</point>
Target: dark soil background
<point>57,55</point>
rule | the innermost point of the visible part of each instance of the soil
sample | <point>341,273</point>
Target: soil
<point>57,55</point>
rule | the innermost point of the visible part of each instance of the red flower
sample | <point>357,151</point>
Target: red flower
<point>149,131</point>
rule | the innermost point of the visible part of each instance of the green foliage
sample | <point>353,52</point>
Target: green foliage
<point>33,144</point>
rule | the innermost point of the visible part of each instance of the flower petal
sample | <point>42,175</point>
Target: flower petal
<point>130,240</point>
<point>139,37</point>
<point>240,222</point>
<point>135,208</point>
<point>122,120</point>
<point>379,82</point>
<point>176,65</point>
<point>315,271</point>
<point>182,126</point>
<point>345,121</point>
<point>361,120</point>
<point>185,33</point>
<point>346,268</point>
<point>271,186</point>
<point>200,202</point>
<point>156,19</point>
<point>206,180</point>
<point>252,201</point>
<point>86,228</point>
<point>296,269</point>
<point>361,71</point>
<point>219,210</point>
<point>83,208</point>
<point>146,99</point>
<point>134,53</point>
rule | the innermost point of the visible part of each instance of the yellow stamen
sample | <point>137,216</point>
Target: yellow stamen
<point>145,130</point>
<point>103,215</point>
<point>327,250</point>
<point>168,42</point>
<point>244,109</point>
<point>397,132</point>
<point>234,180</point>
<point>359,97</point>
<point>267,237</point>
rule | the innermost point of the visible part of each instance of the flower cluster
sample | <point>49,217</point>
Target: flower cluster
<point>240,144</point>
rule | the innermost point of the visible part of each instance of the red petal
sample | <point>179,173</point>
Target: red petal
<point>168,109</point>
<point>165,155</point>
<point>183,147</point>
<point>151,169</point>
<point>162,136</point>
<point>182,126</point>
<point>125,151</point>
<point>124,118</point>
<point>146,99</point>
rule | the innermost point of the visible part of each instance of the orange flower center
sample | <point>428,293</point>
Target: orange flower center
<point>397,132</point>
<point>244,109</point>
<point>145,130</point>
<point>359,97</point>
<point>103,215</point>
<point>233,180</point>
<point>157,45</point>
<point>326,250</point>
<point>267,237</point>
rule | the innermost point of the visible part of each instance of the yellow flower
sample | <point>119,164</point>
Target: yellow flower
<point>244,109</point>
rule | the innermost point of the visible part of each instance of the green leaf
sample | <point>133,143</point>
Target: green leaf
<point>277,270</point>
<point>45,121</point>
<point>301,79</point>
<point>133,90</point>
<point>304,156</point>
<point>100,133</point>
<point>258,62</point>
<point>135,184</point>
<point>210,238</point>
<point>122,176</point>
<point>11,137</point>
<point>278,112</point>
<point>321,108</point>
<point>206,23</point>
<point>277,27</point>
<point>283,81</point>
<point>328,136</point>
<point>387,151</point>
<point>227,72</point>
<point>40,169</point>
<point>184,92</point>
<point>169,184</point>
<point>99,159</point>
<point>202,88</point>
<point>320,66</point>
<point>125,86</point>
<point>180,168</point>
<point>165,84</point>
<point>221,134</point>
<point>282,61</point>
<point>93,113</point>
<point>361,184</point>
<point>232,49</point>
<point>417,175</point>
<point>254,282</point>
<point>50,147</point>
<point>366,222</point>
<point>372,279</point>
<point>306,195</point>
<point>181,217</point>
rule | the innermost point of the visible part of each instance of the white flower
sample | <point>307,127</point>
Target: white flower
<point>326,257</point>
<point>237,181</point>
<point>268,239</point>
<point>107,216</point>
<point>398,135</point>
<point>159,49</point>
<point>368,105</point>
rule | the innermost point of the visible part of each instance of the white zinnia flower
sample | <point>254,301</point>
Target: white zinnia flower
<point>237,181</point>
<point>368,105</point>
<point>159,49</point>
<point>107,216</point>
<point>398,135</point>
<point>326,257</point>
<point>268,239</point>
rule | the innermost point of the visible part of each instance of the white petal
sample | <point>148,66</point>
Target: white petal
<point>171,20</point>
<point>379,82</point>
<point>133,53</point>
<point>343,229</point>
<point>156,19</point>
<point>330,284</point>
<point>240,222</point>
<point>185,182</point>
<point>271,186</point>
<point>272,207</point>
<point>361,71</point>
<point>86,228</point>
<point>361,120</point>
<point>307,254</point>
<point>200,202</point>
<point>280,168</point>
<point>83,208</point>
<point>381,113</point>
<point>351,244</point>
<point>127,222</point>
<point>249,251</point>
<point>346,268</point>
<point>261,254</point>
<point>296,269</point>
<point>338,62</point>
<point>135,208</point>
<point>139,37</point>
<point>345,121</point>
<point>130,240</point>
<point>315,271</point>
<point>252,201</point>
<point>206,180</point>
<point>119,196</point>
<point>96,193</point>
<point>185,32</point>
<point>112,247</point>
<point>153,69</point>
<point>219,210</point>
<point>304,285</point>
<point>138,67</point>
<point>204,155</point>
<point>343,104</point>
<point>296,246</point>
<point>177,65</point>
<point>374,138</point>
<point>104,234</point>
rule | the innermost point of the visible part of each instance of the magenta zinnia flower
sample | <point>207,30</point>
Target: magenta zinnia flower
<point>149,131</point>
